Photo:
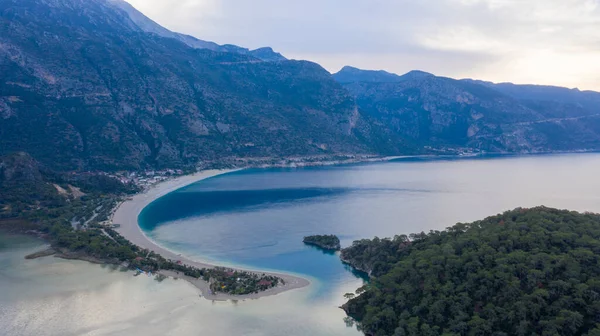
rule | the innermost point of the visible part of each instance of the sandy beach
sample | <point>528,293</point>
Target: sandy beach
<point>127,216</point>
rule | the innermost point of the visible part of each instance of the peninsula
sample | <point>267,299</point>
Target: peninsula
<point>79,214</point>
<point>125,219</point>
<point>492,274</point>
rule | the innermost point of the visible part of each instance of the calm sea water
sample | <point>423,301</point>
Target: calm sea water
<point>257,218</point>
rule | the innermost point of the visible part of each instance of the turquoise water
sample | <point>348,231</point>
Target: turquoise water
<point>55,297</point>
<point>257,218</point>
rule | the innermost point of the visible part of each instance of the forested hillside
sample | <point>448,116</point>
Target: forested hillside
<point>26,186</point>
<point>524,272</point>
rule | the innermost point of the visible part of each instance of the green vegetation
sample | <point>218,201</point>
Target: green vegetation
<point>22,188</point>
<point>70,210</point>
<point>26,187</point>
<point>524,272</point>
<point>99,243</point>
<point>326,242</point>
<point>240,282</point>
<point>93,241</point>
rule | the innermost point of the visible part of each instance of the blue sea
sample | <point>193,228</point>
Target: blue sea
<point>257,218</point>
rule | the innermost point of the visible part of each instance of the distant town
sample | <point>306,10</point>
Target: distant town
<point>145,179</point>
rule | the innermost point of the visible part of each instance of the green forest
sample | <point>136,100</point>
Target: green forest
<point>524,272</point>
<point>326,242</point>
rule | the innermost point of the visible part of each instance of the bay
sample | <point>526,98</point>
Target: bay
<point>256,219</point>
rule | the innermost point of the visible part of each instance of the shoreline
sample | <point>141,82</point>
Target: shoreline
<point>127,212</point>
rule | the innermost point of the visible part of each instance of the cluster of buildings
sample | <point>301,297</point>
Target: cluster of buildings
<point>147,178</point>
<point>461,151</point>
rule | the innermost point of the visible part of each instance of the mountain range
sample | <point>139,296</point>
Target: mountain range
<point>503,117</point>
<point>96,85</point>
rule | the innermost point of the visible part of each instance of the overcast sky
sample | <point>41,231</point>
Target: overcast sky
<point>522,41</point>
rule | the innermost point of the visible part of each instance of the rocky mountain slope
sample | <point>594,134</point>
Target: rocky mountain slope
<point>96,85</point>
<point>554,101</point>
<point>443,112</point>
<point>84,88</point>
<point>24,185</point>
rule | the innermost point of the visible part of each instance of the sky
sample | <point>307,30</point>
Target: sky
<point>552,42</point>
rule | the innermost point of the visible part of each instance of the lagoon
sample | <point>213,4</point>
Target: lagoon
<point>257,218</point>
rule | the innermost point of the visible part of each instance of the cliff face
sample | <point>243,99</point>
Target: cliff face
<point>444,112</point>
<point>84,87</point>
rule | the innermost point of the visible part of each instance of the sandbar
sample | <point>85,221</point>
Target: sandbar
<point>126,215</point>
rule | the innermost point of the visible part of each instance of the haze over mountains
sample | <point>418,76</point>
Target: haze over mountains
<point>149,26</point>
<point>492,117</point>
<point>94,84</point>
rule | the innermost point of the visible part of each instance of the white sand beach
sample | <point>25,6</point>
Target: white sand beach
<point>127,216</point>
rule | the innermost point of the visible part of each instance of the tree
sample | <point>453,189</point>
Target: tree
<point>524,272</point>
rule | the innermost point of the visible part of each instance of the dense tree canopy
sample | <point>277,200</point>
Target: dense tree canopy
<point>524,272</point>
<point>326,242</point>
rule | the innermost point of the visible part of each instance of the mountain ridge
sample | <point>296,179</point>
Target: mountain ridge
<point>85,88</point>
<point>441,112</point>
<point>149,26</point>
<point>350,74</point>
<point>129,99</point>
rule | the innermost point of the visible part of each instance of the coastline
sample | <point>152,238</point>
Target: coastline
<point>126,214</point>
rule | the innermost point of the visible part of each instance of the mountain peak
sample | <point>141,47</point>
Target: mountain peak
<point>348,68</point>
<point>417,74</point>
<point>267,54</point>
<point>147,25</point>
<point>350,74</point>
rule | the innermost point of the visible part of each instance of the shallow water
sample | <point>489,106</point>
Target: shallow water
<point>50,296</point>
<point>257,218</point>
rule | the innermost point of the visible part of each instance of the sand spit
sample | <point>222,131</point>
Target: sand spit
<point>127,216</point>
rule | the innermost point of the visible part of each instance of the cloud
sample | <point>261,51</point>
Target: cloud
<point>533,41</point>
